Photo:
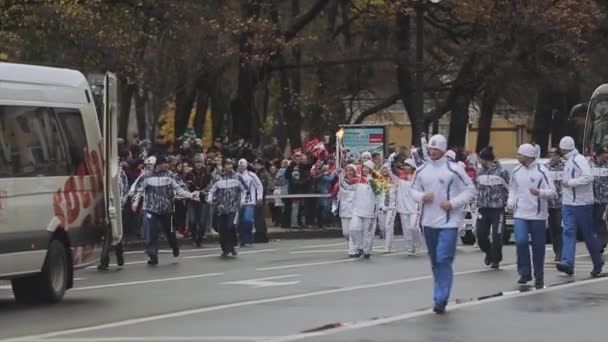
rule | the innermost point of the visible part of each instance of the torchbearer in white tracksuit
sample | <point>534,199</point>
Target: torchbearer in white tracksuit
<point>530,190</point>
<point>387,202</point>
<point>346,194</point>
<point>364,211</point>
<point>443,188</point>
<point>407,208</point>
<point>577,209</point>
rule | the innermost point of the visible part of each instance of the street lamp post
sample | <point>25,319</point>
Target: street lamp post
<point>420,6</point>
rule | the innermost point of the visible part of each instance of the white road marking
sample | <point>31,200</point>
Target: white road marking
<point>150,281</point>
<point>167,251</point>
<point>197,311</point>
<point>343,250</point>
<point>191,257</point>
<point>266,282</point>
<point>9,287</point>
<point>304,265</point>
<point>343,243</point>
<point>215,255</point>
<point>416,314</point>
<point>155,338</point>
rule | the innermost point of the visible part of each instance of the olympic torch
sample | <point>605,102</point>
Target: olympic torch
<point>339,138</point>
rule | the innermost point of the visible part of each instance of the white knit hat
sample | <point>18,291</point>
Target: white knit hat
<point>410,162</point>
<point>527,150</point>
<point>451,155</point>
<point>366,155</point>
<point>567,143</point>
<point>151,160</point>
<point>243,163</point>
<point>438,142</point>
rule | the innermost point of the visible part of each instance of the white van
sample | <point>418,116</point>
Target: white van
<point>55,205</point>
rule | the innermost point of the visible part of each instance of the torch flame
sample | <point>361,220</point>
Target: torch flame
<point>340,134</point>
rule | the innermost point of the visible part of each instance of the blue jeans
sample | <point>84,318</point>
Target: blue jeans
<point>536,229</point>
<point>245,229</point>
<point>581,217</point>
<point>441,245</point>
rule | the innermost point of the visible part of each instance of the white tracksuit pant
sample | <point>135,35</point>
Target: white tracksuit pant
<point>411,231</point>
<point>361,234</point>
<point>386,223</point>
<point>346,223</point>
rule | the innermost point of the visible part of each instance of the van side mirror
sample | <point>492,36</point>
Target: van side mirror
<point>579,110</point>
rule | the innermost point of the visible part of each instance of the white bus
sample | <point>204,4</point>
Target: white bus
<point>56,207</point>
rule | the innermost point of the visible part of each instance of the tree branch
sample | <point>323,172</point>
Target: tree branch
<point>389,101</point>
<point>361,60</point>
<point>304,20</point>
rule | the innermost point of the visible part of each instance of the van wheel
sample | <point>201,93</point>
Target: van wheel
<point>48,286</point>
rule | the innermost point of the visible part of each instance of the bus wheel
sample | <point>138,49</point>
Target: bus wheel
<point>50,285</point>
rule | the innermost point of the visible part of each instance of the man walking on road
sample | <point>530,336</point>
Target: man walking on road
<point>530,190</point>
<point>599,169</point>
<point>159,189</point>
<point>493,190</point>
<point>443,189</point>
<point>556,173</point>
<point>227,195</point>
<point>254,196</point>
<point>577,209</point>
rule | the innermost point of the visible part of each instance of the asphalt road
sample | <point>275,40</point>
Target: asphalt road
<point>306,290</point>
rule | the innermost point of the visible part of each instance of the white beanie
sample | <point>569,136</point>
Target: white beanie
<point>567,143</point>
<point>369,164</point>
<point>351,166</point>
<point>243,163</point>
<point>151,160</point>
<point>527,150</point>
<point>438,142</point>
<point>451,155</point>
<point>366,155</point>
<point>410,162</point>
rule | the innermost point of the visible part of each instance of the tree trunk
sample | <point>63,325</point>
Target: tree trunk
<point>140,111</point>
<point>202,104</point>
<point>459,120</point>
<point>543,116</point>
<point>184,99</point>
<point>405,81</point>
<point>126,94</point>
<point>459,100</point>
<point>488,104</point>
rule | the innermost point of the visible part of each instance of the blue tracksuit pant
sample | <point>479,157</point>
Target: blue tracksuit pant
<point>245,228</point>
<point>581,217</point>
<point>524,230</point>
<point>441,245</point>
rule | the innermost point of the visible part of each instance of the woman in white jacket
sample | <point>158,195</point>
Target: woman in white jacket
<point>364,211</point>
<point>346,194</point>
<point>407,207</point>
<point>386,204</point>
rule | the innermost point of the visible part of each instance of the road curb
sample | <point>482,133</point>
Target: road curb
<point>283,234</point>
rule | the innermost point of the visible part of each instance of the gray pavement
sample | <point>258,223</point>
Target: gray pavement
<point>280,290</point>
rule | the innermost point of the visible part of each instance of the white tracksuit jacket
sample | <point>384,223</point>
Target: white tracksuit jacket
<point>346,195</point>
<point>525,205</point>
<point>253,186</point>
<point>577,173</point>
<point>446,181</point>
<point>364,199</point>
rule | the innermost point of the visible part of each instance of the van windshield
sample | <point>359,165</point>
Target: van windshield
<point>596,131</point>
